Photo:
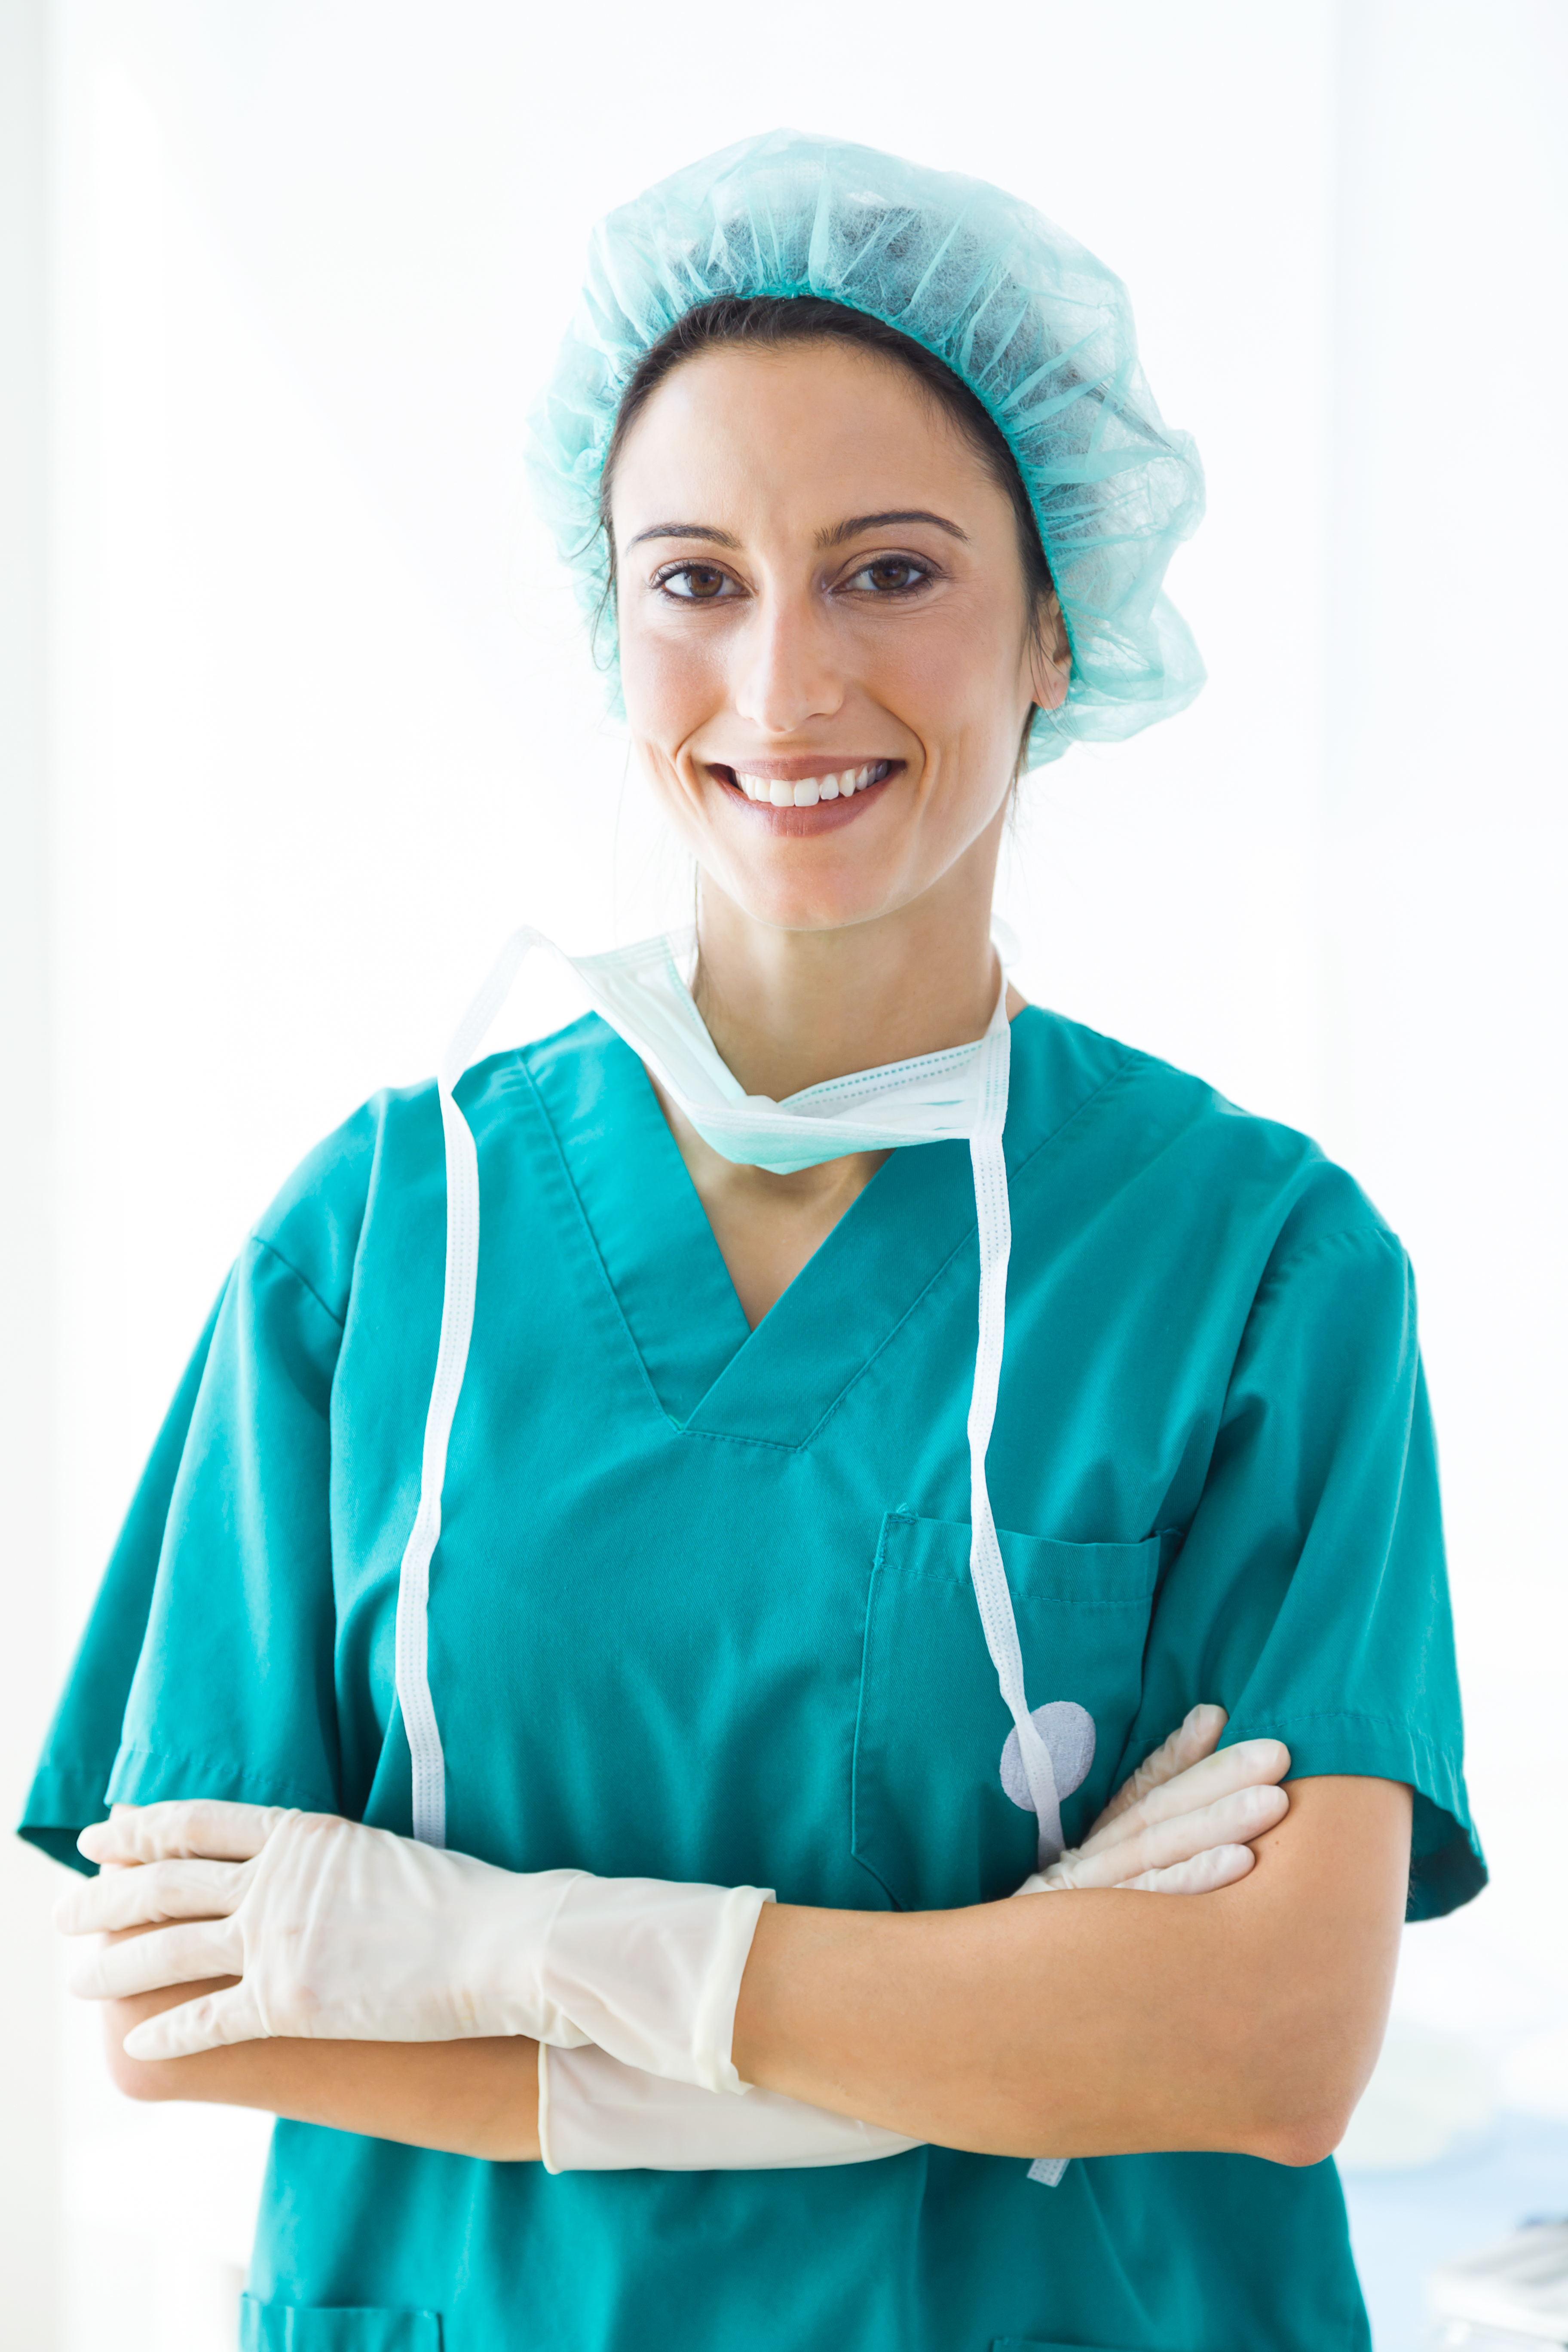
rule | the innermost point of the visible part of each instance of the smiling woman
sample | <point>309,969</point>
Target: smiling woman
<point>584,1704</point>
<point>858,611</point>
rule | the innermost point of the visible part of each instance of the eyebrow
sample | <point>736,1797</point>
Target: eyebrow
<point>685,530</point>
<point>835,536</point>
<point>858,523</point>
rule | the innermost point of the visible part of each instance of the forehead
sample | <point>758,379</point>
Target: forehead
<point>818,430</point>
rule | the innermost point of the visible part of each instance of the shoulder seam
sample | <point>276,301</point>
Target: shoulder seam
<point>1382,1234</point>
<point>260,1241</point>
<point>1133,1058</point>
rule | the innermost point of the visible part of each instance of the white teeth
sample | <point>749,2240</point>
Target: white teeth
<point>811,789</point>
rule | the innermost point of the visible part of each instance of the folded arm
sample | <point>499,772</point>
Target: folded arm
<point>1246,2020</point>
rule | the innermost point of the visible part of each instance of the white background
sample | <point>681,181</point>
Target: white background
<point>297,724</point>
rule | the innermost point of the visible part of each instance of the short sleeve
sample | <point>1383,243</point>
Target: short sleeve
<point>1310,1596</point>
<point>206,1667</point>
<point>72,1784</point>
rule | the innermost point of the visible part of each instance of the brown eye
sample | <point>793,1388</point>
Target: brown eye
<point>890,575</point>
<point>695,584</point>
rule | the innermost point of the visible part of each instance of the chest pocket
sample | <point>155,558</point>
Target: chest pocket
<point>931,1819</point>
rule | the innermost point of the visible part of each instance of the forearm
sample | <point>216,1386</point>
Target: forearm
<point>468,2098</point>
<point>1109,2022</point>
<point>1088,2022</point>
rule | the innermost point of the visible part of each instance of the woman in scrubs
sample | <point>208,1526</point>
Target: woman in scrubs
<point>497,1627</point>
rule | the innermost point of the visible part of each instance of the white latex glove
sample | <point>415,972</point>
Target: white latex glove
<point>348,1933</point>
<point>1182,1823</point>
<point>597,2115</point>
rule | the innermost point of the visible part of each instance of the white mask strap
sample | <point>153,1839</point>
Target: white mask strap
<point>412,1663</point>
<point>993,1232</point>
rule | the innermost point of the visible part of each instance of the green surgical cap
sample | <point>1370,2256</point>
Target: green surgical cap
<point>1039,331</point>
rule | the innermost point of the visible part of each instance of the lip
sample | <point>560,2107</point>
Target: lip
<point>801,823</point>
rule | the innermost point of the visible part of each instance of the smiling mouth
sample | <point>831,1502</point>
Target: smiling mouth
<point>805,792</point>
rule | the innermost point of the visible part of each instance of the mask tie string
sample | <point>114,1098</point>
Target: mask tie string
<point>994,1230</point>
<point>411,1659</point>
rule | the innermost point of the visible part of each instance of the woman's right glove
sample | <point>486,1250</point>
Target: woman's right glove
<point>338,1932</point>
<point>598,2115</point>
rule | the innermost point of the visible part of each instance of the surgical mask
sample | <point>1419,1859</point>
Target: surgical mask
<point>959,1094</point>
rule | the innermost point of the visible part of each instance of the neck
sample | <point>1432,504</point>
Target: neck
<point>787,1009</point>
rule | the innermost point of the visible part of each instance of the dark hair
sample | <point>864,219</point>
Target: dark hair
<point>767,322</point>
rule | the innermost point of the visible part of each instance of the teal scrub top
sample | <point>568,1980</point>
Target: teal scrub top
<point>701,1610</point>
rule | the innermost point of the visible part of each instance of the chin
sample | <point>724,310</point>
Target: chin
<point>802,910</point>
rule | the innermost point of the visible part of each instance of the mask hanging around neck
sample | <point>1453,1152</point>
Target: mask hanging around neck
<point>958,1095</point>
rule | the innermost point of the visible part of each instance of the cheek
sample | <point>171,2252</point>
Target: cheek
<point>671,684</point>
<point>955,682</point>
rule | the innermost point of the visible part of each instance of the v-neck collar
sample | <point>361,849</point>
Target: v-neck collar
<point>712,1373</point>
<point>648,1224</point>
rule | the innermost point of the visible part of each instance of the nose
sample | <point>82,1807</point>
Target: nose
<point>787,667</point>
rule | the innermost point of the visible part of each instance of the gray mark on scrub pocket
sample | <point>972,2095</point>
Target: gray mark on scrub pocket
<point>1067,1730</point>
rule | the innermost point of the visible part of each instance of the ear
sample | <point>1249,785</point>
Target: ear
<point>1050,657</point>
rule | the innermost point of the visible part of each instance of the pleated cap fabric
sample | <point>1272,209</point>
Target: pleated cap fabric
<point>1040,332</point>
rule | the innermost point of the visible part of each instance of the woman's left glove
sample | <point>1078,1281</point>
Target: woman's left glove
<point>1184,1822</point>
<point>342,1933</point>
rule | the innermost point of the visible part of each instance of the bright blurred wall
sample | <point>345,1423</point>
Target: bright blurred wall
<point>324,727</point>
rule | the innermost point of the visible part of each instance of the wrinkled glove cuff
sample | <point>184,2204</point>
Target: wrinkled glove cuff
<point>597,2115</point>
